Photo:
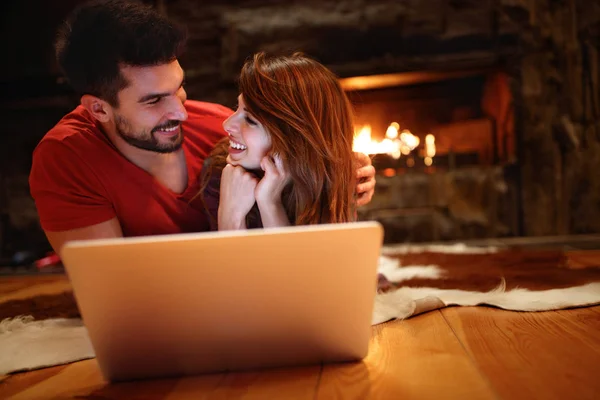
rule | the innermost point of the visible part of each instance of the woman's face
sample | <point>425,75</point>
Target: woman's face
<point>249,141</point>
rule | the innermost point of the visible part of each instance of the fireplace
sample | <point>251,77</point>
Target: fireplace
<point>461,118</point>
<point>443,145</point>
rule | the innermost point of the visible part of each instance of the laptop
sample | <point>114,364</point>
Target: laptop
<point>186,304</point>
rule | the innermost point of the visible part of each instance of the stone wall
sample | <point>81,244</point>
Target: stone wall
<point>560,115</point>
<point>466,203</point>
<point>352,37</point>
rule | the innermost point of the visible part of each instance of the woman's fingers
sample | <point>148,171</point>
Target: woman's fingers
<point>267,165</point>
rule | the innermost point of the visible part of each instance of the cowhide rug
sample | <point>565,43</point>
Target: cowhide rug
<point>47,330</point>
<point>420,280</point>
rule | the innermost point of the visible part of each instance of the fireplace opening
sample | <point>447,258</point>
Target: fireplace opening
<point>443,145</point>
<point>434,119</point>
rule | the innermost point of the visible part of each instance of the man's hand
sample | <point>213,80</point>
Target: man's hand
<point>236,197</point>
<point>365,176</point>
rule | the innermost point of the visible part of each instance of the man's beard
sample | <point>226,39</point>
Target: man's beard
<point>147,140</point>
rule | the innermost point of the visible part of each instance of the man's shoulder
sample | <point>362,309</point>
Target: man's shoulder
<point>77,131</point>
<point>77,125</point>
<point>204,109</point>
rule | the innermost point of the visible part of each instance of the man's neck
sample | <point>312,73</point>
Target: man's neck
<point>169,169</point>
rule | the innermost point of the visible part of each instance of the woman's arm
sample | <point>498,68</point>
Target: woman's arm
<point>236,197</point>
<point>273,215</point>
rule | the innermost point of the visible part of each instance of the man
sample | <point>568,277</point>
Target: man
<point>127,160</point>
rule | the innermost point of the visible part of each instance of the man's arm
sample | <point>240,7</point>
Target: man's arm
<point>70,199</point>
<point>104,230</point>
<point>365,175</point>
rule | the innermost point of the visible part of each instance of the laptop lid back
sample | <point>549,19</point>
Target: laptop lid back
<point>221,301</point>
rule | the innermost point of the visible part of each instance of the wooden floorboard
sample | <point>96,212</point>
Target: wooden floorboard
<point>18,382</point>
<point>29,287</point>
<point>77,379</point>
<point>549,355</point>
<point>156,389</point>
<point>419,358</point>
<point>454,353</point>
<point>286,383</point>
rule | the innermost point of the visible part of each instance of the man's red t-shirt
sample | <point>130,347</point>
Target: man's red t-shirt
<point>78,178</point>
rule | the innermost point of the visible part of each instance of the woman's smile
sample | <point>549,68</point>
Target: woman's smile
<point>236,147</point>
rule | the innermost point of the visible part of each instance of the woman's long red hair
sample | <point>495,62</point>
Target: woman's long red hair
<point>302,106</point>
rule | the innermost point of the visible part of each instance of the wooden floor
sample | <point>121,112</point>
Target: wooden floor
<point>455,353</point>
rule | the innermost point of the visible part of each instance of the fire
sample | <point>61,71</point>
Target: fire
<point>429,149</point>
<point>363,143</point>
<point>395,143</point>
<point>430,145</point>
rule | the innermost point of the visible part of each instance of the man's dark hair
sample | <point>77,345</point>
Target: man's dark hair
<point>99,36</point>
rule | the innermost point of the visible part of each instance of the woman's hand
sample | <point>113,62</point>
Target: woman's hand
<point>268,192</point>
<point>269,189</point>
<point>236,197</point>
<point>365,177</point>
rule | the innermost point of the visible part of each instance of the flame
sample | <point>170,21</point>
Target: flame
<point>364,144</point>
<point>405,149</point>
<point>430,146</point>
<point>395,144</point>
<point>411,141</point>
<point>392,131</point>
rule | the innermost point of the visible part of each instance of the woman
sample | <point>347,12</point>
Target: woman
<point>288,158</point>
